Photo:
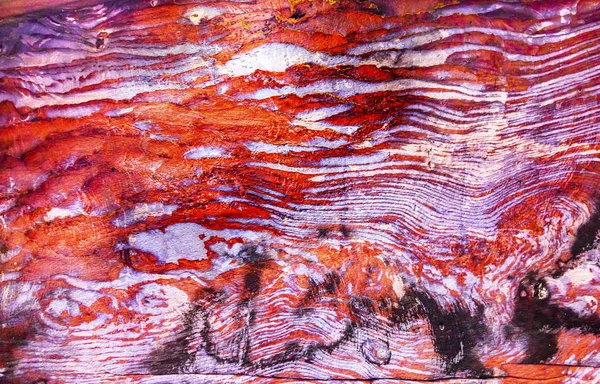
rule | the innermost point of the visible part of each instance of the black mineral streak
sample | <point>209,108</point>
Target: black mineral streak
<point>345,231</point>
<point>252,281</point>
<point>297,15</point>
<point>328,286</point>
<point>541,347</point>
<point>455,332</point>
<point>296,352</point>
<point>587,234</point>
<point>541,321</point>
<point>125,256</point>
<point>174,356</point>
<point>322,232</point>
<point>250,254</point>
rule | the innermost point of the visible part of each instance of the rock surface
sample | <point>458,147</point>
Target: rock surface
<point>276,191</point>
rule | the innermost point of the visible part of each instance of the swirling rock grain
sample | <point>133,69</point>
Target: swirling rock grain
<point>296,191</point>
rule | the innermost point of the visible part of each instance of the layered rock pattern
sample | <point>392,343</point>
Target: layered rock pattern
<point>277,191</point>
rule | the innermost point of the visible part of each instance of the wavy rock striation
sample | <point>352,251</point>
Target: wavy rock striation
<point>303,190</point>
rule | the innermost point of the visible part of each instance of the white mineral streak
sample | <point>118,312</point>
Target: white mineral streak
<point>142,211</point>
<point>313,145</point>
<point>347,88</point>
<point>198,14</point>
<point>179,241</point>
<point>205,153</point>
<point>184,241</point>
<point>72,210</point>
<point>578,287</point>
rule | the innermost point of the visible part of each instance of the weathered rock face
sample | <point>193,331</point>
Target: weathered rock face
<point>299,190</point>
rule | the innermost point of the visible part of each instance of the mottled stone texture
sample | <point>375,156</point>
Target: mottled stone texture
<point>270,191</point>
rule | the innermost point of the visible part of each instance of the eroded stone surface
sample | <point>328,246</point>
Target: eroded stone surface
<point>299,190</point>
